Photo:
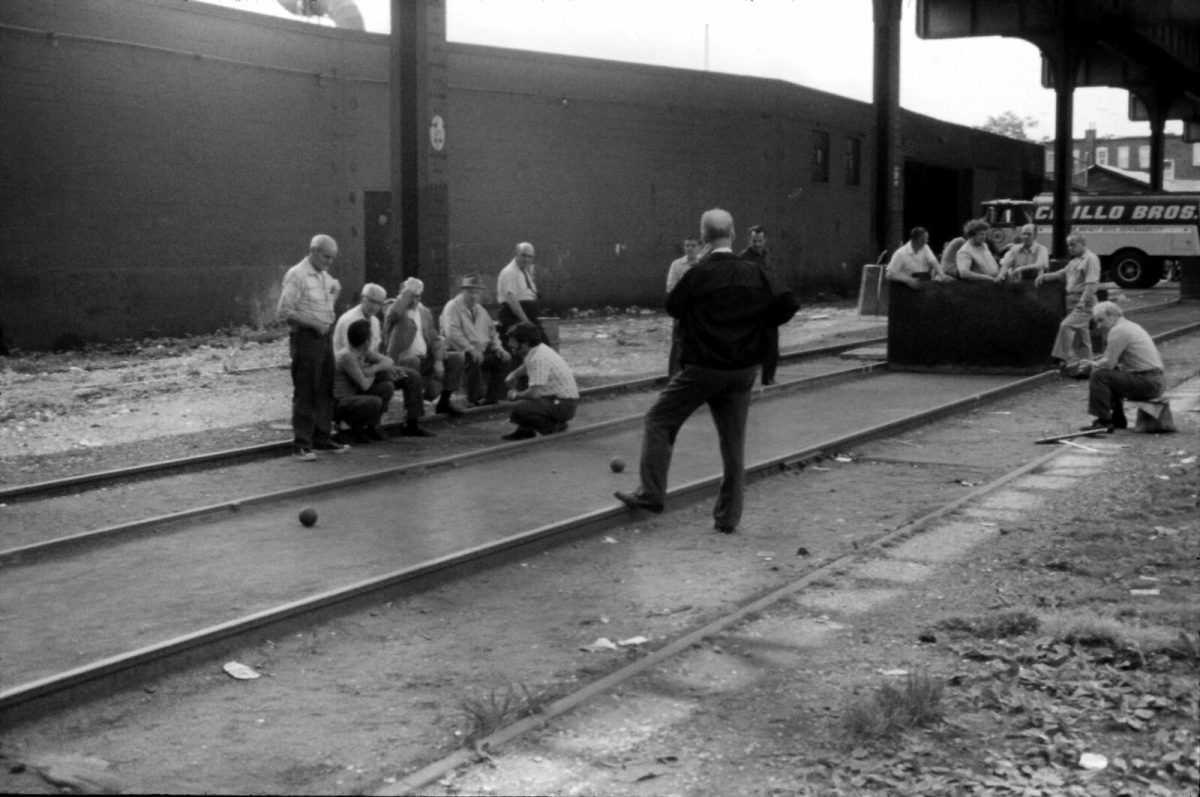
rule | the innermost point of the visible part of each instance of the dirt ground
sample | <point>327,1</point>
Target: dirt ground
<point>1073,628</point>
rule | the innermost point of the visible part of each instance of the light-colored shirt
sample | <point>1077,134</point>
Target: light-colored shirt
<point>513,280</point>
<point>468,329</point>
<point>678,268</point>
<point>976,258</point>
<point>546,368</point>
<point>1081,271</point>
<point>1020,256</point>
<point>1130,348</point>
<point>340,343</point>
<point>308,295</point>
<point>418,347</point>
<point>908,262</point>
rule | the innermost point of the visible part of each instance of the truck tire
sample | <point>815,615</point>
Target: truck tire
<point>1132,268</point>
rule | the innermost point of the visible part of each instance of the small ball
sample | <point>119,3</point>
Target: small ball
<point>308,516</point>
<point>617,464</point>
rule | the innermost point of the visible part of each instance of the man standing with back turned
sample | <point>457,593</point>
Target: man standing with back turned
<point>726,306</point>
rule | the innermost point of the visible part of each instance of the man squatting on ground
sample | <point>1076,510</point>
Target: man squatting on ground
<point>757,252</point>
<point>362,384</point>
<point>306,303</point>
<point>1073,344</point>
<point>414,342</point>
<point>469,331</point>
<point>726,305</point>
<point>1130,368</point>
<point>679,266</point>
<point>552,396</point>
<point>383,372</point>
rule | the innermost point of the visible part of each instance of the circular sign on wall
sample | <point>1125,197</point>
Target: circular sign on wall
<point>437,133</point>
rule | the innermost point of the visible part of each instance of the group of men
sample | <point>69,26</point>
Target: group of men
<point>1130,367</point>
<point>346,369</point>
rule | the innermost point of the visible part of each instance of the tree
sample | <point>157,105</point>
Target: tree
<point>1009,124</point>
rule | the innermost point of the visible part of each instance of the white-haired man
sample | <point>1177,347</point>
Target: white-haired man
<point>414,340</point>
<point>1130,368</point>
<point>1073,344</point>
<point>306,303</point>
<point>1027,256</point>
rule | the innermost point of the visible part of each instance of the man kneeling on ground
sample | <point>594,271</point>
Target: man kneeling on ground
<point>551,398</point>
<point>1131,368</point>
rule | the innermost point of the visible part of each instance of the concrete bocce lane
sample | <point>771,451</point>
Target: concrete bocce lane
<point>633,714</point>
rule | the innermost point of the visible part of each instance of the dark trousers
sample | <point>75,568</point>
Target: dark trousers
<point>485,379</point>
<point>452,377</point>
<point>1108,388</point>
<point>770,355</point>
<point>364,410</point>
<point>674,366</point>
<point>543,415</point>
<point>411,387</point>
<point>727,394</point>
<point>312,385</point>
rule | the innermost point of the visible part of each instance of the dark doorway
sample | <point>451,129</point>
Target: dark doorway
<point>377,224</point>
<point>932,200</point>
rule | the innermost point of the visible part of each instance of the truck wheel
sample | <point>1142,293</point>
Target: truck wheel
<point>1131,268</point>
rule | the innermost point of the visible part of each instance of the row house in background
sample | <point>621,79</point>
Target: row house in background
<point>1122,164</point>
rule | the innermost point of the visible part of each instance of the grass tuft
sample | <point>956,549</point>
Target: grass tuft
<point>890,710</point>
<point>999,625</point>
<point>498,708</point>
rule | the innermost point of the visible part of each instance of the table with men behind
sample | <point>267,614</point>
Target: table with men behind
<point>347,369</point>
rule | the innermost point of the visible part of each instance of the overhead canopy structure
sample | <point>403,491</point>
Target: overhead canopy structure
<point>1149,47</point>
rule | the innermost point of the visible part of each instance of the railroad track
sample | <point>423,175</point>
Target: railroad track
<point>205,566</point>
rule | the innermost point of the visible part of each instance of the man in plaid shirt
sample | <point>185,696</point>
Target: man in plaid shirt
<point>552,396</point>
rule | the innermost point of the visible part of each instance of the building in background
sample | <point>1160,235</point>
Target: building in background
<point>1110,165</point>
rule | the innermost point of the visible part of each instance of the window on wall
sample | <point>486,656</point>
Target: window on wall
<point>1144,156</point>
<point>1049,161</point>
<point>1168,170</point>
<point>1102,156</point>
<point>853,161</point>
<point>1123,157</point>
<point>1195,154</point>
<point>820,161</point>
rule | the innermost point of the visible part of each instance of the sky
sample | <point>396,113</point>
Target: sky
<point>823,44</point>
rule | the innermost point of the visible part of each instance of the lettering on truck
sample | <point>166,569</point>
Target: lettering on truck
<point>1124,211</point>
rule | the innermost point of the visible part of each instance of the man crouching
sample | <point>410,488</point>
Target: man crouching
<point>551,398</point>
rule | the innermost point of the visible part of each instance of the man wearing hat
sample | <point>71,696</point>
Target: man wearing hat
<point>1026,257</point>
<point>469,332</point>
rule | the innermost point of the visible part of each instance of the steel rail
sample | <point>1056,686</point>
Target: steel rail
<point>32,552</point>
<point>281,447</point>
<point>105,675</point>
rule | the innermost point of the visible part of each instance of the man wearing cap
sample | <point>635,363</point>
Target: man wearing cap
<point>1025,257</point>
<point>516,291</point>
<point>414,340</point>
<point>469,331</point>
<point>306,303</point>
<point>552,396</point>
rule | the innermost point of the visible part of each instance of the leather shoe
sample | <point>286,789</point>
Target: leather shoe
<point>415,431</point>
<point>448,409</point>
<point>519,434</point>
<point>724,529</point>
<point>374,433</point>
<point>1098,425</point>
<point>639,501</point>
<point>331,445</point>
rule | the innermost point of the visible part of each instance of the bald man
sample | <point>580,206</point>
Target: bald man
<point>516,290</point>
<point>726,306</point>
<point>306,303</point>
<point>1130,368</point>
<point>1027,258</point>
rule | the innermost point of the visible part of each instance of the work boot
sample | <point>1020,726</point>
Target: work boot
<point>444,407</point>
<point>411,429</point>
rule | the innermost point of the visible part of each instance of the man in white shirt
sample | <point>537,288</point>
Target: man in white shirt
<point>552,396</point>
<point>679,267</point>
<point>414,341</point>
<point>914,262</point>
<point>1073,344</point>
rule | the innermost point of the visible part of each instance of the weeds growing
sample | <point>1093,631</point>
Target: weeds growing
<point>890,710</point>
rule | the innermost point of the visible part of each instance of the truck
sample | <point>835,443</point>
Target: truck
<point>1139,238</point>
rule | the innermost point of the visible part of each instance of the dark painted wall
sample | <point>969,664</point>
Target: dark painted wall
<point>150,189</point>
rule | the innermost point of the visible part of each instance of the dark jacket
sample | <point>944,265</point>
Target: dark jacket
<point>725,305</point>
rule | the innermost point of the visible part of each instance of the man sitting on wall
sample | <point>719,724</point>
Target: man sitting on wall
<point>1028,257</point>
<point>414,341</point>
<point>914,262</point>
<point>470,333</point>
